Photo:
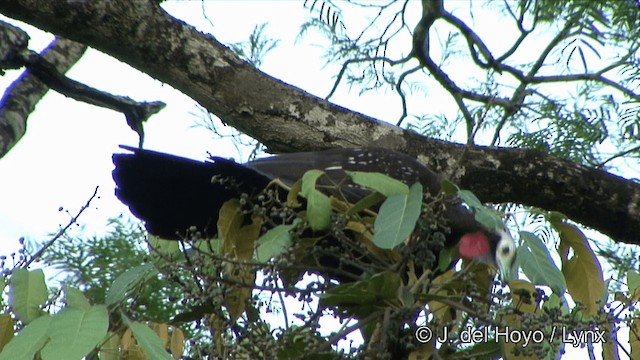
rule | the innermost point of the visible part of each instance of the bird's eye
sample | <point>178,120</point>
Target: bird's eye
<point>506,250</point>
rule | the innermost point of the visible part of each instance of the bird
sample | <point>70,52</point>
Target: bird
<point>172,194</point>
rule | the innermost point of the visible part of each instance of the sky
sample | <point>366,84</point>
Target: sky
<point>66,152</point>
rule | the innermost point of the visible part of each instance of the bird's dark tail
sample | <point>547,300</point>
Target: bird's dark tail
<point>174,194</point>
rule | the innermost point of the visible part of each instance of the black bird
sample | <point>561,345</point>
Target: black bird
<point>173,194</point>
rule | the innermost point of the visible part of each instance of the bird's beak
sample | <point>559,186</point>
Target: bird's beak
<point>505,272</point>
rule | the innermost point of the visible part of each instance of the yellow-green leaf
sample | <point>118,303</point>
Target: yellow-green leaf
<point>110,349</point>
<point>7,327</point>
<point>229,221</point>
<point>237,294</point>
<point>177,343</point>
<point>582,272</point>
<point>148,341</point>
<point>292,196</point>
<point>520,301</point>
<point>634,338</point>
<point>164,249</point>
<point>238,243</point>
<point>28,341</point>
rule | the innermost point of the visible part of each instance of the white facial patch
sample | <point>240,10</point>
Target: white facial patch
<point>505,251</point>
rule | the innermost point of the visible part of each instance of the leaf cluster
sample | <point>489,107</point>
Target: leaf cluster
<point>381,267</point>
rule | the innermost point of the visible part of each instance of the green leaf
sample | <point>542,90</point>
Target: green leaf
<point>445,257</point>
<point>489,218</point>
<point>75,298</point>
<point>318,204</point>
<point>74,333</point>
<point>484,215</point>
<point>556,302</point>
<point>127,281</point>
<point>28,341</point>
<point>309,180</point>
<point>110,348</point>
<point>161,249</point>
<point>633,280</point>
<point>397,218</point>
<point>470,199</point>
<point>633,284</point>
<point>211,246</point>
<point>27,293</point>
<point>536,262</point>
<point>449,188</point>
<point>379,182</point>
<point>274,241</point>
<point>366,202</point>
<point>3,284</point>
<point>148,341</point>
<point>555,217</point>
<point>362,297</point>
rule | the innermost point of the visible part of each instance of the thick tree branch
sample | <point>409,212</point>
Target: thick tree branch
<point>286,118</point>
<point>21,97</point>
<point>46,72</point>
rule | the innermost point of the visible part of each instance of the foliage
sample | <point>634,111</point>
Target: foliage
<point>257,47</point>
<point>79,328</point>
<point>82,261</point>
<point>390,292</point>
<point>572,93</point>
<point>507,93</point>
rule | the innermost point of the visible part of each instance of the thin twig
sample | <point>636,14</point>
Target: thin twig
<point>61,232</point>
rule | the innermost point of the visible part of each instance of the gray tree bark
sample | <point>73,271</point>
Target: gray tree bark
<point>286,118</point>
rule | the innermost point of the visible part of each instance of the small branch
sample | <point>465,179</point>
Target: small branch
<point>618,155</point>
<point>284,309</point>
<point>520,92</point>
<point>48,244</point>
<point>517,100</point>
<point>552,44</point>
<point>586,76</point>
<point>403,97</point>
<point>346,64</point>
<point>135,112</point>
<point>20,99</point>
<point>474,40</point>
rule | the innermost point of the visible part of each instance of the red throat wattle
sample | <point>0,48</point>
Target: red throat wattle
<point>473,245</point>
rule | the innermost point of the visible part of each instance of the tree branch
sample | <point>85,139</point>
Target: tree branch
<point>20,99</point>
<point>286,118</point>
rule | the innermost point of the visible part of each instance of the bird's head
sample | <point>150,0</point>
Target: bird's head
<point>495,248</point>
